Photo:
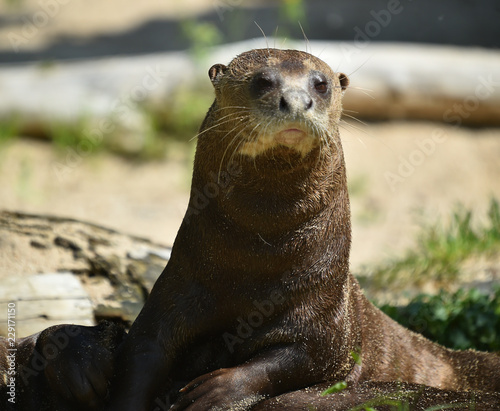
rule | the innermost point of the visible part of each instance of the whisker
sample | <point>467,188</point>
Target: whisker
<point>219,123</point>
<point>231,107</point>
<point>346,124</point>
<point>240,126</point>
<point>364,91</point>
<point>229,145</point>
<point>366,61</point>
<point>263,34</point>
<point>356,119</point>
<point>275,37</point>
<point>321,52</point>
<point>360,88</point>
<point>238,145</point>
<point>305,38</point>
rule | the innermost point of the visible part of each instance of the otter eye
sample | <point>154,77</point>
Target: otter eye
<point>321,87</point>
<point>320,83</point>
<point>263,83</point>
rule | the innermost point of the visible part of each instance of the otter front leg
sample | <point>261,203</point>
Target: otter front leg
<point>141,374</point>
<point>144,362</point>
<point>267,375</point>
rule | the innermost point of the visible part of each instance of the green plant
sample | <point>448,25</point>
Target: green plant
<point>440,250</point>
<point>357,185</point>
<point>67,135</point>
<point>201,36</point>
<point>396,404</point>
<point>169,136</point>
<point>85,139</point>
<point>402,403</point>
<point>340,386</point>
<point>293,11</point>
<point>460,320</point>
<point>14,2</point>
<point>180,117</point>
<point>9,129</point>
<point>399,400</point>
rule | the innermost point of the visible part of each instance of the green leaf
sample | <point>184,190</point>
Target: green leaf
<point>356,356</point>
<point>342,385</point>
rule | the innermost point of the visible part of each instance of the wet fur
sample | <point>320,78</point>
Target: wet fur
<point>63,368</point>
<point>280,225</point>
<point>382,396</point>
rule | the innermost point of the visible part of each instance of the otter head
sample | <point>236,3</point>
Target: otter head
<point>275,120</point>
<point>269,99</point>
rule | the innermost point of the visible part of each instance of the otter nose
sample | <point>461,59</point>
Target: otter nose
<point>295,101</point>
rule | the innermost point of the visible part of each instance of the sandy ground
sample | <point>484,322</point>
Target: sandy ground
<point>401,175</point>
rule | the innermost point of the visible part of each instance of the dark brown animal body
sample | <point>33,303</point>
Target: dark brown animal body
<point>63,368</point>
<point>257,299</point>
<point>382,396</point>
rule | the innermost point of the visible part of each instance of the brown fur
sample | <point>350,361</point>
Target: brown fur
<point>382,396</point>
<point>275,228</point>
<point>63,368</point>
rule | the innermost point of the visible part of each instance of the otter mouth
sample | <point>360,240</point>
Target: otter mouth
<point>291,136</point>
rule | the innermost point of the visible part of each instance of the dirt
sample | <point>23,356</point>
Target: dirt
<point>409,177</point>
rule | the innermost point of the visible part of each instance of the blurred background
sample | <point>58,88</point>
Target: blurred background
<point>100,101</point>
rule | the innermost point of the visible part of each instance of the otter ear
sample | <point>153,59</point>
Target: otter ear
<point>344,81</point>
<point>216,72</point>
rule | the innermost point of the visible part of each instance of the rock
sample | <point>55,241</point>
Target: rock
<point>147,263</point>
<point>107,274</point>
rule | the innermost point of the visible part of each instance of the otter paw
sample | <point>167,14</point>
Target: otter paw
<point>81,380</point>
<point>83,362</point>
<point>219,390</point>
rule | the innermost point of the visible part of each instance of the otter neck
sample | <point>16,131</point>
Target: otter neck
<point>280,213</point>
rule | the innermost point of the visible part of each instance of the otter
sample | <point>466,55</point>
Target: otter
<point>257,299</point>
<point>63,368</point>
<point>381,395</point>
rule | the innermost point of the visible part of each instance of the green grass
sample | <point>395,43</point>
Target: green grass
<point>180,117</point>
<point>440,251</point>
<point>399,400</point>
<point>201,36</point>
<point>175,125</point>
<point>293,11</point>
<point>459,320</point>
<point>9,129</point>
<point>402,402</point>
<point>357,185</point>
<point>12,3</point>
<point>68,135</point>
<point>340,386</point>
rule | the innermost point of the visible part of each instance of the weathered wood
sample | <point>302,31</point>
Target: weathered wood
<point>61,270</point>
<point>448,84</point>
<point>44,300</point>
